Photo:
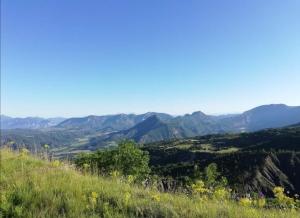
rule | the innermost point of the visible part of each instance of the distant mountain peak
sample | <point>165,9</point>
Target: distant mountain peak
<point>199,113</point>
<point>269,107</point>
<point>151,121</point>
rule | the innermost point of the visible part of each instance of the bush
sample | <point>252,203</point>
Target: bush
<point>126,159</point>
<point>282,200</point>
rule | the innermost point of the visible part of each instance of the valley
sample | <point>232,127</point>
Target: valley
<point>94,132</point>
<point>251,157</point>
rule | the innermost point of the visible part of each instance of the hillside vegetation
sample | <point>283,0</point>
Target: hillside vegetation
<point>252,162</point>
<point>31,187</point>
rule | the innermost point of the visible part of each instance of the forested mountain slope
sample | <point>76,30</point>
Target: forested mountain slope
<point>251,161</point>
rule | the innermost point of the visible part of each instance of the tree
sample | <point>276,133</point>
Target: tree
<point>211,174</point>
<point>213,177</point>
<point>127,159</point>
<point>131,160</point>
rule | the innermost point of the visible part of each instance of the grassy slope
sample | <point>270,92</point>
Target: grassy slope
<point>35,188</point>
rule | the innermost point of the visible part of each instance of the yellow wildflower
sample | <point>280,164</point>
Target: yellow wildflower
<point>282,199</point>
<point>278,192</point>
<point>130,179</point>
<point>221,193</point>
<point>199,187</point>
<point>115,174</point>
<point>56,163</point>
<point>93,199</point>
<point>155,197</point>
<point>245,202</point>
<point>127,196</point>
<point>94,195</point>
<point>261,202</point>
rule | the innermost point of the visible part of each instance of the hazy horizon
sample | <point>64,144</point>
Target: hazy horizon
<point>71,59</point>
<point>95,114</point>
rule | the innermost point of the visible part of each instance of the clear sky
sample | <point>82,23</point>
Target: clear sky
<point>80,57</point>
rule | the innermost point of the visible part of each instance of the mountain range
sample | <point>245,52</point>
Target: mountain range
<point>151,127</point>
<point>266,116</point>
<point>110,122</point>
<point>28,122</point>
<point>198,123</point>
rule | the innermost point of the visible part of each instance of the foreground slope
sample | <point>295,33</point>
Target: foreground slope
<point>36,188</point>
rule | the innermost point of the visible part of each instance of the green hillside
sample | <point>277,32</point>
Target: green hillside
<point>35,188</point>
<point>252,162</point>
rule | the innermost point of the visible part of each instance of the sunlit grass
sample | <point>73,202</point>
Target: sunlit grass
<point>227,150</point>
<point>34,188</point>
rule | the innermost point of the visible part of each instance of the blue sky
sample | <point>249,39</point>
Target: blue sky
<point>75,58</point>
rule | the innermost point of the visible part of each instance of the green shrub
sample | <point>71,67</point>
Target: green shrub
<point>127,159</point>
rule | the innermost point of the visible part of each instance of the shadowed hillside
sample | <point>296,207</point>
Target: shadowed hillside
<point>251,161</point>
